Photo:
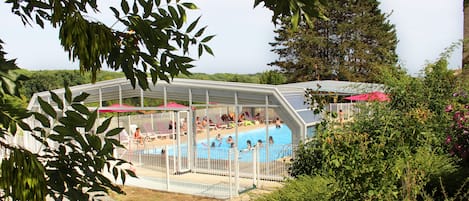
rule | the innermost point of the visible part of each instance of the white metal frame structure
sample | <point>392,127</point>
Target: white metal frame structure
<point>287,99</point>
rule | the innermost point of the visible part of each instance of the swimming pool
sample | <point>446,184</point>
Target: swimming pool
<point>280,148</point>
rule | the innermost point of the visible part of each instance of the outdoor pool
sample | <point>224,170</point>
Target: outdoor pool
<point>280,148</point>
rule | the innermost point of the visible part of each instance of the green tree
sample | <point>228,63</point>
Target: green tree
<point>151,41</point>
<point>354,44</point>
<point>45,80</point>
<point>272,77</point>
<point>393,150</point>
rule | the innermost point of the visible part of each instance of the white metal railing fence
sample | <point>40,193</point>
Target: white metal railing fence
<point>348,109</point>
<point>222,174</point>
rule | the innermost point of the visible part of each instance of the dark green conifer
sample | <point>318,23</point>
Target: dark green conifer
<point>354,43</point>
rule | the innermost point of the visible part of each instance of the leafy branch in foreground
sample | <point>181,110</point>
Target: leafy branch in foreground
<point>72,160</point>
<point>151,40</point>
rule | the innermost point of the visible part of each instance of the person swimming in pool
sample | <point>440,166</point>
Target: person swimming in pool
<point>229,140</point>
<point>248,146</point>
<point>278,123</point>
<point>259,143</point>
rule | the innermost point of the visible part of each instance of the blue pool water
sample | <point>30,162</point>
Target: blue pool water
<point>280,148</point>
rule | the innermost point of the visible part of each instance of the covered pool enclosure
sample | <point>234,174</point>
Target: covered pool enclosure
<point>186,159</point>
<point>286,101</point>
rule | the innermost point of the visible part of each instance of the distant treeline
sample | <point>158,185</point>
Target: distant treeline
<point>45,80</point>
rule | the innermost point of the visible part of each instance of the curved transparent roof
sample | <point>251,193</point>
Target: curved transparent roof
<point>288,99</point>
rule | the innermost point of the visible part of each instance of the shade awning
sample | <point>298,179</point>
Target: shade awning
<point>373,96</point>
<point>117,108</point>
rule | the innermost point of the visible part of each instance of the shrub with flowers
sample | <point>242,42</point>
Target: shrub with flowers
<point>458,134</point>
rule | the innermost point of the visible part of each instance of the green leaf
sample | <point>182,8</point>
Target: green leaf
<point>75,118</point>
<point>47,108</point>
<point>192,25</point>
<point>336,163</point>
<point>39,21</point>
<point>114,10</point>
<point>81,108</point>
<point>206,39</point>
<point>114,132</point>
<point>104,126</point>
<point>42,119</point>
<point>201,50</point>
<point>208,49</point>
<point>147,9</point>
<point>295,20</point>
<point>94,141</point>
<point>190,6</point>
<point>200,32</point>
<point>175,16</point>
<point>24,126</point>
<point>115,172</point>
<point>135,8</point>
<point>57,100</point>
<point>123,176</point>
<point>131,173</point>
<point>182,12</point>
<point>81,97</point>
<point>91,120</point>
<point>125,6</point>
<point>13,128</point>
<point>68,94</point>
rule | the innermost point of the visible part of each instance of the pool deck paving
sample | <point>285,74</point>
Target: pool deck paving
<point>197,184</point>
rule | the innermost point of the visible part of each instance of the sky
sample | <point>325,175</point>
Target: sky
<point>424,29</point>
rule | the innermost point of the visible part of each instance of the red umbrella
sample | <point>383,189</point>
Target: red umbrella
<point>117,108</point>
<point>173,105</point>
<point>373,96</point>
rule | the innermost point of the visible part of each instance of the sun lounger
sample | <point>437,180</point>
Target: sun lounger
<point>149,134</point>
<point>124,137</point>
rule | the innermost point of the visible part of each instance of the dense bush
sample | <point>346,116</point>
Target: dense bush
<point>395,150</point>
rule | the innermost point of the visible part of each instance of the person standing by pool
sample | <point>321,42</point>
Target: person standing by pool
<point>277,123</point>
<point>341,117</point>
<point>229,140</point>
<point>219,137</point>
<point>271,140</point>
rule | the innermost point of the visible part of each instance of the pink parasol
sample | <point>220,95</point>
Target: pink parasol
<point>373,96</point>
<point>173,105</point>
<point>117,108</point>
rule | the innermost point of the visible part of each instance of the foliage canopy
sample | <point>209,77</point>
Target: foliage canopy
<point>355,44</point>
